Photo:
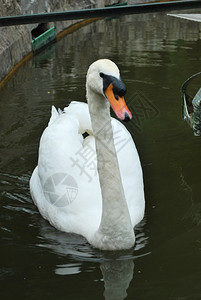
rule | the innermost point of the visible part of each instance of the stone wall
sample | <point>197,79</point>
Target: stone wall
<point>16,40</point>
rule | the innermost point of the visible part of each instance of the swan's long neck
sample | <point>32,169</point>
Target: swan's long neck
<point>115,231</point>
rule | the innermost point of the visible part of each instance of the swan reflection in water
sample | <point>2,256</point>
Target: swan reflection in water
<point>117,267</point>
<point>117,275</point>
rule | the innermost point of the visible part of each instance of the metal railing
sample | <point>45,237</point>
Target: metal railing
<point>99,12</point>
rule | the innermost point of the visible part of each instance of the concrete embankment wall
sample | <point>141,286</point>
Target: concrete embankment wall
<point>15,41</point>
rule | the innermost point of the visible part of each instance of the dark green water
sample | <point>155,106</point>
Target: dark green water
<point>155,54</point>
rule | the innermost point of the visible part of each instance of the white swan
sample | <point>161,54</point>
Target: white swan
<point>92,186</point>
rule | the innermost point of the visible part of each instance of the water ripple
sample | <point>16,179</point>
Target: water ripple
<point>79,249</point>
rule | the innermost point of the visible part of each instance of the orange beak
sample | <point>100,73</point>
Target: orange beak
<point>118,105</point>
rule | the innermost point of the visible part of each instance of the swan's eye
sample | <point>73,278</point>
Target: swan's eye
<point>101,74</point>
<point>116,96</point>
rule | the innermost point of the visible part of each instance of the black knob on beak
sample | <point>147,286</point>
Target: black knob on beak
<point>126,117</point>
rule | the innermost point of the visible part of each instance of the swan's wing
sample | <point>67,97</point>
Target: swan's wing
<point>65,185</point>
<point>131,171</point>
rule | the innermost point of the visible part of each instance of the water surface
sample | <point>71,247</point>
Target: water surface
<point>155,54</point>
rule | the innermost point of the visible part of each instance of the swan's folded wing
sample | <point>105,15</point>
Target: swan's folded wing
<point>65,184</point>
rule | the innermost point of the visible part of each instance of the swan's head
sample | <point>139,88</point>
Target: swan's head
<point>103,78</point>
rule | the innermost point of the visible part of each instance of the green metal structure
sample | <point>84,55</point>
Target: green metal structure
<point>44,39</point>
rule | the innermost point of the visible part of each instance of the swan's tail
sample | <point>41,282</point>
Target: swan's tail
<point>76,110</point>
<point>54,114</point>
